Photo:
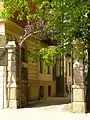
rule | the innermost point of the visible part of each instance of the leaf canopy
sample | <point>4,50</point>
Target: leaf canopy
<point>66,19</point>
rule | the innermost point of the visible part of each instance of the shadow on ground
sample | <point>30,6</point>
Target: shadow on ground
<point>49,102</point>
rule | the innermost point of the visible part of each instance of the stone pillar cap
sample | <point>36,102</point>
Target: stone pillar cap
<point>78,86</point>
<point>11,44</point>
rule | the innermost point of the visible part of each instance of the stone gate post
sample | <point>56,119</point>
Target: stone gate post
<point>13,89</point>
<point>78,87</point>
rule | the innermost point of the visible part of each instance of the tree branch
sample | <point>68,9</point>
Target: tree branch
<point>26,36</point>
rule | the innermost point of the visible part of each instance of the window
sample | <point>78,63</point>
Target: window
<point>24,73</point>
<point>23,55</point>
<point>69,69</point>
<point>57,66</point>
<point>41,92</point>
<point>57,69</point>
<point>66,68</point>
<point>54,72</point>
<point>41,67</point>
<point>60,67</point>
<point>48,69</point>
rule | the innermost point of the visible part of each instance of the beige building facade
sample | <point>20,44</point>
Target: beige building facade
<point>31,80</point>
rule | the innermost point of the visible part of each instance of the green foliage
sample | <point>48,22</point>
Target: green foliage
<point>68,18</point>
<point>19,7</point>
<point>43,54</point>
<point>47,55</point>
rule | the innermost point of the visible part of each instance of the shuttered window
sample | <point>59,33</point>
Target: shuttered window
<point>48,69</point>
<point>24,57</point>
<point>41,67</point>
<point>24,73</point>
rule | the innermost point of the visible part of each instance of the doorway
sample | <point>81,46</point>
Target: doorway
<point>41,92</point>
<point>49,91</point>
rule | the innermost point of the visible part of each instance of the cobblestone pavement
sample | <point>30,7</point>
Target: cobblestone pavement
<point>53,112</point>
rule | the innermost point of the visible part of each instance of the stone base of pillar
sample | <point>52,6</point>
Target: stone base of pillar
<point>78,99</point>
<point>79,107</point>
<point>14,104</point>
<point>13,96</point>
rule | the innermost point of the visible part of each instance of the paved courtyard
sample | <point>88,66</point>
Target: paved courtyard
<point>43,111</point>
